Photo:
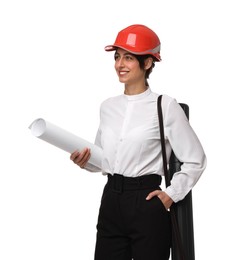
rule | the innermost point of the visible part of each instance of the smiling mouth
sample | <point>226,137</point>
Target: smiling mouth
<point>122,73</point>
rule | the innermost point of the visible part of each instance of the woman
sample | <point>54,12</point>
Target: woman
<point>134,220</point>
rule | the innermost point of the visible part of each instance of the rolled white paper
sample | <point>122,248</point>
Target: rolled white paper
<point>64,140</point>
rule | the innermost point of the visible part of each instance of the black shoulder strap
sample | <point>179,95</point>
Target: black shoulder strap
<point>175,228</point>
<point>161,126</point>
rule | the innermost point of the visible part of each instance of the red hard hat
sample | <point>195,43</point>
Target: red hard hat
<point>137,39</point>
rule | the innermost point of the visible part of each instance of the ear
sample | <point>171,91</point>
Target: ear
<point>148,63</point>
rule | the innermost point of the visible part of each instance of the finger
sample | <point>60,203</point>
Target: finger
<point>85,156</point>
<point>79,156</point>
<point>74,155</point>
<point>153,194</point>
<point>86,160</point>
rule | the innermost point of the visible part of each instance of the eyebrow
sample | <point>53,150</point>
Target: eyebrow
<point>126,53</point>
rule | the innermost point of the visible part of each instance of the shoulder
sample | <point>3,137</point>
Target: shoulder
<point>171,108</point>
<point>166,100</point>
<point>111,101</point>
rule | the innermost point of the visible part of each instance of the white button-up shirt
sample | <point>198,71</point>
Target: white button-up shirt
<point>130,138</point>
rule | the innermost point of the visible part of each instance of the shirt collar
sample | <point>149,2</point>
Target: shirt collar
<point>138,96</point>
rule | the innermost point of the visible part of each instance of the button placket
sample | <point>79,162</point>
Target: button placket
<point>122,134</point>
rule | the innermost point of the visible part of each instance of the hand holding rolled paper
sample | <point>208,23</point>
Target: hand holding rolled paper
<point>64,140</point>
<point>81,158</point>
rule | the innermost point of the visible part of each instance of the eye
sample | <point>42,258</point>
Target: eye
<point>128,57</point>
<point>116,56</point>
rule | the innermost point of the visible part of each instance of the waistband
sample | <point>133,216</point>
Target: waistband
<point>120,183</point>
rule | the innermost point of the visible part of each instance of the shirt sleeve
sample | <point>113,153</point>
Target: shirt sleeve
<point>187,148</point>
<point>89,167</point>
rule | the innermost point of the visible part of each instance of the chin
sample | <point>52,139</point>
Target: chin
<point>122,81</point>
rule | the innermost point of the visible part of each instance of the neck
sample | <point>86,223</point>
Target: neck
<point>134,90</point>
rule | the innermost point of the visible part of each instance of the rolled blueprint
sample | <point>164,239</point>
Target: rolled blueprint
<point>64,140</point>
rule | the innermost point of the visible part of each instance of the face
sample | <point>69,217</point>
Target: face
<point>128,69</point>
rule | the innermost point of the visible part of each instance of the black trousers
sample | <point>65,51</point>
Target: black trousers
<point>130,227</point>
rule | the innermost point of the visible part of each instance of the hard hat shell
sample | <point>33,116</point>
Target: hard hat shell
<point>137,39</point>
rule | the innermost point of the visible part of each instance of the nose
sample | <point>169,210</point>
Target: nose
<point>120,62</point>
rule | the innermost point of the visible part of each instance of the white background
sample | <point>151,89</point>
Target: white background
<point>53,65</point>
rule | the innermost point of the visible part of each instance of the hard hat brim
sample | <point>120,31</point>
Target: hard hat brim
<point>111,47</point>
<point>114,47</point>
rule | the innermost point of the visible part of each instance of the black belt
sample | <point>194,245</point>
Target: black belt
<point>120,183</point>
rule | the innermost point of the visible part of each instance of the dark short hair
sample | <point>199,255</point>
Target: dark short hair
<point>141,59</point>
